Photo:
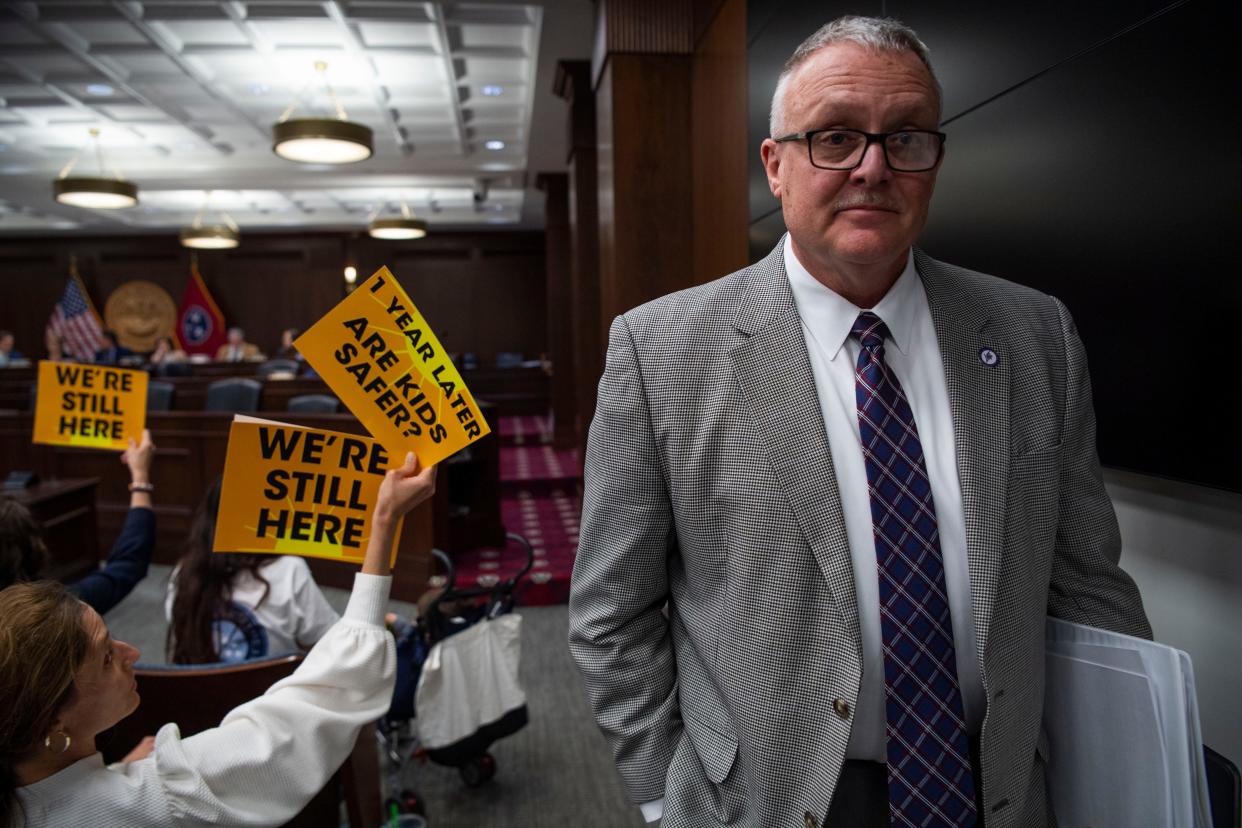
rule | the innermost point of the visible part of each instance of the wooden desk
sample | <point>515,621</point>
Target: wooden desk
<point>66,509</point>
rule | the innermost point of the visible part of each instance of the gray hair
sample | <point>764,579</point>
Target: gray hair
<point>876,33</point>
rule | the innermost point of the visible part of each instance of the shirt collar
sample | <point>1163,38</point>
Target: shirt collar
<point>830,316</point>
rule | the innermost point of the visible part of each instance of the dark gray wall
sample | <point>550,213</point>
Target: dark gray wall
<point>1093,153</point>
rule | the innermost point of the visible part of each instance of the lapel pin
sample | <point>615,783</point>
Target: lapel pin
<point>988,357</point>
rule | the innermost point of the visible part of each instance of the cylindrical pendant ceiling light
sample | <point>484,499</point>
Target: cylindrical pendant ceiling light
<point>322,140</point>
<point>95,193</point>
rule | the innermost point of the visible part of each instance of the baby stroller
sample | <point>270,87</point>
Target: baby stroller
<point>457,687</point>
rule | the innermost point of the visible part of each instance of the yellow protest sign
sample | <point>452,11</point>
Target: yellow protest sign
<point>89,406</point>
<point>290,490</point>
<point>376,351</point>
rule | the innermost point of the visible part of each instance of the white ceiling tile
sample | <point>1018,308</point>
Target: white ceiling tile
<point>9,91</point>
<point>387,33</point>
<point>490,13</point>
<point>423,68</point>
<point>107,32</point>
<point>134,112</point>
<point>54,114</point>
<point>473,36</point>
<point>191,33</point>
<point>493,69</point>
<point>14,32</point>
<point>150,63</point>
<point>229,63</point>
<point>300,33</point>
<point>47,63</point>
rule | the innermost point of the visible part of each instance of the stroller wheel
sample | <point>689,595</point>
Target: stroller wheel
<point>478,770</point>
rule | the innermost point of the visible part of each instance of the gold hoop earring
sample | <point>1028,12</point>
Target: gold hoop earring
<point>47,741</point>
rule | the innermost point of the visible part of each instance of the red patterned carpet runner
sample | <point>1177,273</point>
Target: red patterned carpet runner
<point>539,499</point>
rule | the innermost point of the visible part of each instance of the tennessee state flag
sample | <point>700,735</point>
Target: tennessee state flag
<point>200,325</point>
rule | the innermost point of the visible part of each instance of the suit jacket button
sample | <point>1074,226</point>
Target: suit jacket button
<point>809,821</point>
<point>842,707</point>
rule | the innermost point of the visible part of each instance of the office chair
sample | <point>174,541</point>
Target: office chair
<point>159,396</point>
<point>233,395</point>
<point>314,404</point>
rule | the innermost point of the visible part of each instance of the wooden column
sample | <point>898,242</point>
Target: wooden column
<point>560,316</point>
<point>670,82</point>
<point>642,72</point>
<point>720,152</point>
<point>588,337</point>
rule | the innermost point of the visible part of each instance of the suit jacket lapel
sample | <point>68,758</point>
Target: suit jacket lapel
<point>774,374</point>
<point>979,401</point>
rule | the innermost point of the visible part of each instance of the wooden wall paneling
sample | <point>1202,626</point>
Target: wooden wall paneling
<point>491,299</point>
<point>720,146</point>
<point>32,278</point>
<point>481,295</point>
<point>560,312</point>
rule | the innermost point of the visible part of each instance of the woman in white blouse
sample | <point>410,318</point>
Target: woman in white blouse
<point>63,680</point>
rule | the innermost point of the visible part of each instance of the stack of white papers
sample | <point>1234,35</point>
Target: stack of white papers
<point>1122,721</point>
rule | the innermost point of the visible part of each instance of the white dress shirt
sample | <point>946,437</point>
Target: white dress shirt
<point>913,355</point>
<point>266,759</point>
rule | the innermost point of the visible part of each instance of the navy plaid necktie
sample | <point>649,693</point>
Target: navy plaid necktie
<point>929,776</point>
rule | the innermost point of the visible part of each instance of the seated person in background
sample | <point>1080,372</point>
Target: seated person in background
<point>64,681</point>
<point>113,351</point>
<point>166,352</point>
<point>23,554</point>
<point>231,607</point>
<point>8,353</point>
<point>237,349</point>
<point>286,350</point>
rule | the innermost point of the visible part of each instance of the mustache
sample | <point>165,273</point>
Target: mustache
<point>865,199</point>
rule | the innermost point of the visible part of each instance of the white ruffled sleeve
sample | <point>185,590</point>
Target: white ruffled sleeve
<point>271,755</point>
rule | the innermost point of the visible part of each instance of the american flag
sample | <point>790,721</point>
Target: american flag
<point>75,322</point>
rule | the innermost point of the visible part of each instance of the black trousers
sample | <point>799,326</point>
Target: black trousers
<point>861,796</point>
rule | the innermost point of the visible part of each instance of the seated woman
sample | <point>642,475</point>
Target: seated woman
<point>231,607</point>
<point>64,681</point>
<point>166,352</point>
<point>23,554</point>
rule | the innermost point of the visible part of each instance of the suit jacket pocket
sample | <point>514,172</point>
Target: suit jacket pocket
<point>716,751</point>
<point>1034,458</point>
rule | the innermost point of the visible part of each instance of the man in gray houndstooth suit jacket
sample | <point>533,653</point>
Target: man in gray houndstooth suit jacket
<point>725,612</point>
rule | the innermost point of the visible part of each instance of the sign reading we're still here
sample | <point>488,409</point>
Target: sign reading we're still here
<point>299,491</point>
<point>380,357</point>
<point>89,406</point>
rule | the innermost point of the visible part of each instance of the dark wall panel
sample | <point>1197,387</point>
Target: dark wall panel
<point>1110,181</point>
<point>484,291</point>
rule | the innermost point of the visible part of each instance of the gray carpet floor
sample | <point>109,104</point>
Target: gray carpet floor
<point>556,772</point>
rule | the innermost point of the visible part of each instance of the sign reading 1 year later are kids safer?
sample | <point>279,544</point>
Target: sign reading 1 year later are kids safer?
<point>291,490</point>
<point>378,354</point>
<point>89,406</point>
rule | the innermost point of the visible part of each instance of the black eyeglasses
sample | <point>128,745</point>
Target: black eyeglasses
<point>906,150</point>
